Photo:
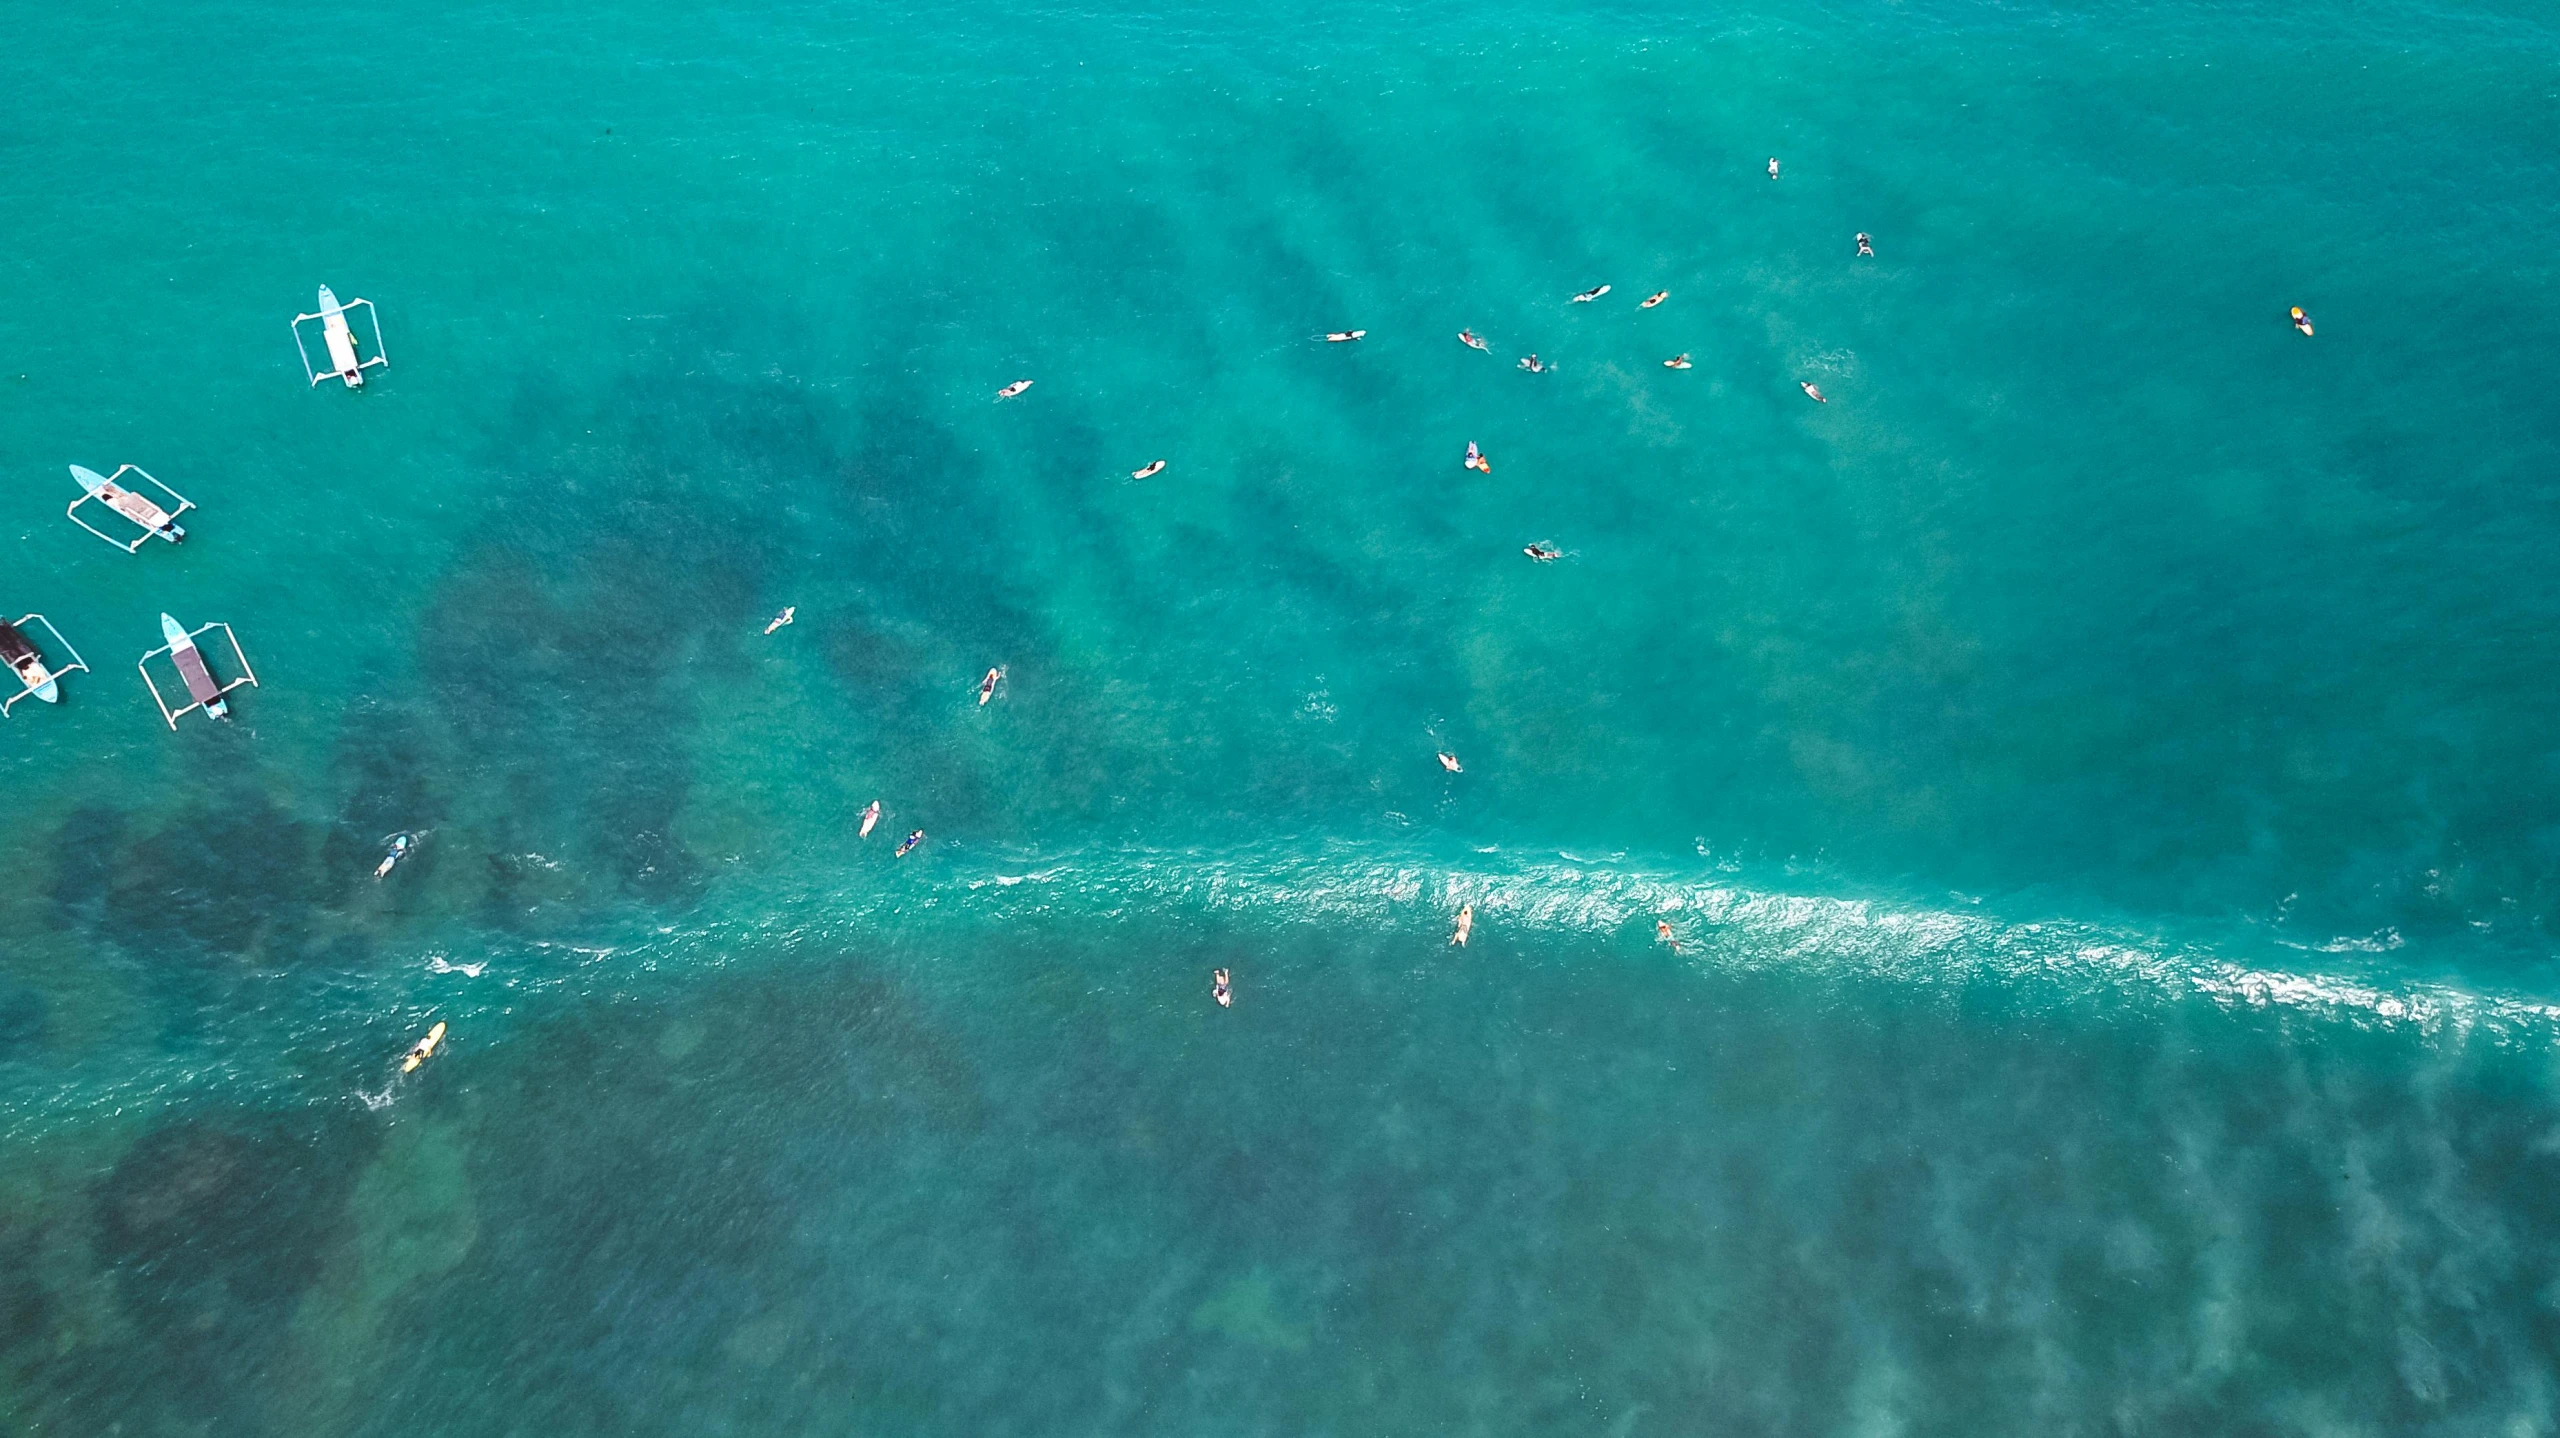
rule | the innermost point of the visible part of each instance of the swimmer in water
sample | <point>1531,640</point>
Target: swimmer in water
<point>1662,931</point>
<point>401,844</point>
<point>1649,301</point>
<point>1773,167</point>
<point>1219,989</point>
<point>1587,296</point>
<point>1543,553</point>
<point>1473,341</point>
<point>987,686</point>
<point>2302,321</point>
<point>1533,365</point>
<point>1450,763</point>
<point>789,611</point>
<point>1678,361</point>
<point>1466,925</point>
<point>1476,460</point>
<point>1015,388</point>
<point>1339,337</point>
<point>1150,472</point>
<point>870,817</point>
<point>423,1050</point>
<point>1812,389</point>
<point>908,844</point>
<point>1865,246</point>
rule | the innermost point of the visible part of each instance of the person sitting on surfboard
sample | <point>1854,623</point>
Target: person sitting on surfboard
<point>1476,459</point>
<point>2301,321</point>
<point>1533,365</point>
<point>1678,361</point>
<point>1472,340</point>
<point>1812,389</point>
<point>1466,925</point>
<point>1864,247</point>
<point>987,686</point>
<point>870,817</point>
<point>1219,989</point>
<point>1450,762</point>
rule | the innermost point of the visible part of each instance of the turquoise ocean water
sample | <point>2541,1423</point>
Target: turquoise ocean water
<point>2100,766</point>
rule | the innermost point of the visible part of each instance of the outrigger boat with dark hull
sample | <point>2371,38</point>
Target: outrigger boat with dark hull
<point>203,690</point>
<point>35,676</point>
<point>106,489</point>
<point>340,340</point>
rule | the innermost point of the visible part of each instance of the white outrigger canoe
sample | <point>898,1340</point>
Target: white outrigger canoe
<point>36,677</point>
<point>339,339</point>
<point>203,690</point>
<point>109,490</point>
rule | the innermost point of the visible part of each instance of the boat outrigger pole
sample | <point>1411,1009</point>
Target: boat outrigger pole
<point>340,340</point>
<point>111,491</point>
<point>203,691</point>
<point>27,664</point>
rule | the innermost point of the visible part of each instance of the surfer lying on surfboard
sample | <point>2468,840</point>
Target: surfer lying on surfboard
<point>401,845</point>
<point>1678,361</point>
<point>1593,293</point>
<point>1474,341</point>
<point>987,686</point>
<point>1150,472</point>
<point>1340,337</point>
<point>1649,301</point>
<point>423,1050</point>
<point>1015,388</point>
<point>1219,990</point>
<point>907,845</point>
<point>788,612</point>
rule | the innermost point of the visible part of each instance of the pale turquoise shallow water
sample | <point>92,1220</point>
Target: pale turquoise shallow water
<point>2099,764</point>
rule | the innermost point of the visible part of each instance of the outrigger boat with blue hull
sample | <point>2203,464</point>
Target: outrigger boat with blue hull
<point>108,489</point>
<point>36,677</point>
<point>340,340</point>
<point>203,691</point>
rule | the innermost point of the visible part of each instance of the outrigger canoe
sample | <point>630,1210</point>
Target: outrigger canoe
<point>129,504</point>
<point>191,667</point>
<point>27,663</point>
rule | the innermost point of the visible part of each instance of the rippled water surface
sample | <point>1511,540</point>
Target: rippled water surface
<point>2097,767</point>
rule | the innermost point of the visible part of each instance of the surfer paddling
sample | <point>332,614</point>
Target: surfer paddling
<point>1649,301</point>
<point>789,612</point>
<point>401,844</point>
<point>1476,460</point>
<point>1466,926</point>
<point>423,1050</point>
<point>1543,553</point>
<point>1015,388</point>
<point>870,817</point>
<point>2301,321</point>
<point>1220,990</point>
<point>1150,472</point>
<point>908,844</point>
<point>1344,337</point>
<point>1812,391</point>
<point>987,686</point>
<point>1474,341</point>
<point>1593,293</point>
